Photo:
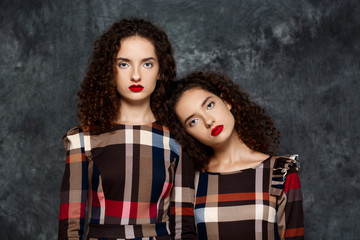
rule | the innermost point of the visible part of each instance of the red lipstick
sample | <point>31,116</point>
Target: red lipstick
<point>217,130</point>
<point>136,88</point>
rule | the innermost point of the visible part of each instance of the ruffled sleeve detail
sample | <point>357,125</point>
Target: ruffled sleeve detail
<point>283,165</point>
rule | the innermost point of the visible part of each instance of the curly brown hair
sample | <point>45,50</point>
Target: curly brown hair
<point>99,100</point>
<point>252,125</point>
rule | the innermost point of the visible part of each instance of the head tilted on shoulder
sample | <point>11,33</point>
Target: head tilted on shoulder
<point>205,107</point>
<point>99,100</point>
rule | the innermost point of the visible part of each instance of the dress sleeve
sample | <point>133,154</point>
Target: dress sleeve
<point>73,187</point>
<point>182,221</point>
<point>290,216</point>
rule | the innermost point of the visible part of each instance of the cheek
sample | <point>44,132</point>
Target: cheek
<point>119,77</point>
<point>194,135</point>
<point>188,130</point>
<point>153,73</point>
<point>157,72</point>
<point>197,133</point>
<point>231,120</point>
<point>228,114</point>
<point>119,84</point>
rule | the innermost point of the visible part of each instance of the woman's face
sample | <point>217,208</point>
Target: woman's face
<point>137,70</point>
<point>205,116</point>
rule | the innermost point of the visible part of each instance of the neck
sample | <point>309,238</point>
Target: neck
<point>230,150</point>
<point>135,113</point>
<point>233,155</point>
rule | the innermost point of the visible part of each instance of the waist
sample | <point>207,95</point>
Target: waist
<point>129,231</point>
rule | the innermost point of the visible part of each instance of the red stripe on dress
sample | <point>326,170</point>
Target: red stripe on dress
<point>292,182</point>
<point>72,210</point>
<point>153,210</point>
<point>294,232</point>
<point>95,199</point>
<point>182,211</point>
<point>166,189</point>
<point>75,157</point>
<point>133,209</point>
<point>113,208</point>
<point>64,211</point>
<point>187,211</point>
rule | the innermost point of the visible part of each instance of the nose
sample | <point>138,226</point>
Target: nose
<point>209,122</point>
<point>135,76</point>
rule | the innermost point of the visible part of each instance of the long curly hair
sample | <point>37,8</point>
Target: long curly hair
<point>99,100</point>
<point>252,125</point>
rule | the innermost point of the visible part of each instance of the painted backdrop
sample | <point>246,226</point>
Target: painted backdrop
<point>300,60</point>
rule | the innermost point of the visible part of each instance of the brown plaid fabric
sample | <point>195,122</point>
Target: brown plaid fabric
<point>127,180</point>
<point>257,203</point>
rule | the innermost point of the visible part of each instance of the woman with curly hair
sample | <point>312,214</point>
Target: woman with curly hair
<point>242,190</point>
<point>122,164</point>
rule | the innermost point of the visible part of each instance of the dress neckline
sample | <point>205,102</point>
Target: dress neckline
<point>137,125</point>
<point>238,171</point>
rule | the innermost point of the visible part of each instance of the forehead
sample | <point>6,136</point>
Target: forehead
<point>136,45</point>
<point>194,94</point>
<point>192,99</point>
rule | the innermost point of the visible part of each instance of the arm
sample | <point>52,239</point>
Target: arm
<point>290,217</point>
<point>74,187</point>
<point>182,221</point>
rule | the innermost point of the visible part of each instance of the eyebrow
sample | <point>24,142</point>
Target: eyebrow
<point>123,59</point>
<point>206,99</point>
<point>202,104</point>
<point>188,118</point>
<point>143,60</point>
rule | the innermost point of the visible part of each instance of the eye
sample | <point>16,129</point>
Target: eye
<point>193,122</point>
<point>148,65</point>
<point>210,105</point>
<point>123,65</point>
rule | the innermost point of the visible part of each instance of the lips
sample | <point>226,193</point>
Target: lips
<point>217,130</point>
<point>136,88</point>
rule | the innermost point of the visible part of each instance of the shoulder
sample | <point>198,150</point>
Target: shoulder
<point>76,131</point>
<point>73,131</point>
<point>286,164</point>
<point>174,145</point>
<point>159,126</point>
<point>284,169</point>
<point>74,138</point>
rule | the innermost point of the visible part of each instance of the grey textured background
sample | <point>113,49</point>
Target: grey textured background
<point>298,59</point>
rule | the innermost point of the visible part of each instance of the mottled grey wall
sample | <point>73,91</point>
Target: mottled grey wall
<point>298,59</point>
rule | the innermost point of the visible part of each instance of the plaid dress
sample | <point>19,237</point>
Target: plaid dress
<point>128,180</point>
<point>264,202</point>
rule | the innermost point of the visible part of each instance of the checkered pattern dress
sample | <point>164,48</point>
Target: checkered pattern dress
<point>128,180</point>
<point>259,203</point>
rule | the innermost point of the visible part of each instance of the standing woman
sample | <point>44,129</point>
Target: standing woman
<point>242,191</point>
<point>123,168</point>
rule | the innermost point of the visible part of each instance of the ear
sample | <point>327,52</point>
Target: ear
<point>228,105</point>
